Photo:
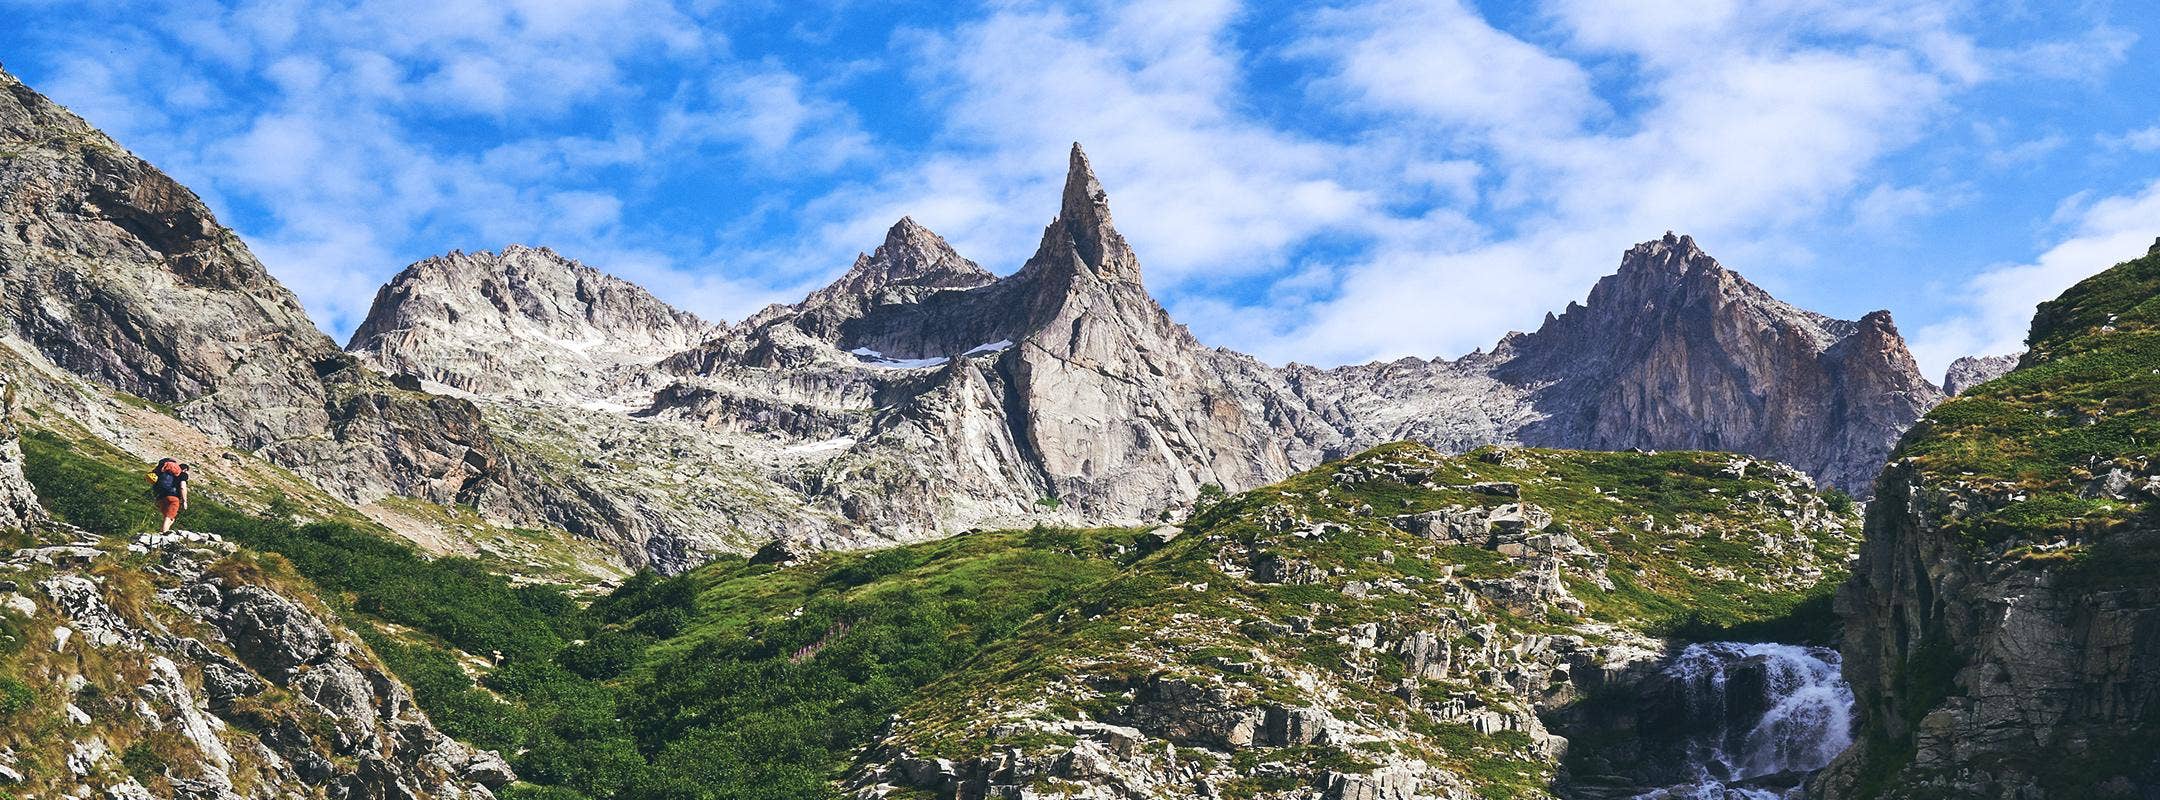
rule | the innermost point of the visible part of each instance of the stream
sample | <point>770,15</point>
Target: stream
<point>1758,719</point>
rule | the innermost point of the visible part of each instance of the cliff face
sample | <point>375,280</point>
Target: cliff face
<point>2002,615</point>
<point>116,273</point>
<point>524,322</point>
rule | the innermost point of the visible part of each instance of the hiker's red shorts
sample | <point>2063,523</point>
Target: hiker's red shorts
<point>171,506</point>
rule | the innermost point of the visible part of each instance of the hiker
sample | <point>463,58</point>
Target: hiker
<point>168,487</point>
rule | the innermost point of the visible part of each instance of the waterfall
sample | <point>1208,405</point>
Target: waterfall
<point>1760,718</point>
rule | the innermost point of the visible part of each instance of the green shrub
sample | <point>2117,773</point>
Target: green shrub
<point>15,696</point>
<point>142,761</point>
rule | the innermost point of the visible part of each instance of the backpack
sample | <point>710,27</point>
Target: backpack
<point>163,485</point>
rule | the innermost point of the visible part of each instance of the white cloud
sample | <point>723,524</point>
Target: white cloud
<point>773,115</point>
<point>2143,140</point>
<point>1444,62</point>
<point>1204,193</point>
<point>1995,309</point>
<point>1887,208</point>
<point>1741,130</point>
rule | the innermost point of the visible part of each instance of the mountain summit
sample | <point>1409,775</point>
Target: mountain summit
<point>522,322</point>
<point>1674,351</point>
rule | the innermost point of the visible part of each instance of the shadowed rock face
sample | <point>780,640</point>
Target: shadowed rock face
<point>1677,352</point>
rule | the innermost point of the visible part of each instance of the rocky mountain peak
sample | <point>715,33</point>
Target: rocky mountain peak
<point>522,321</point>
<point>911,256</point>
<point>1082,238</point>
<point>1676,351</point>
<point>1670,255</point>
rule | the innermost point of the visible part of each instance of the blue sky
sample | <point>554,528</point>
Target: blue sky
<point>1316,182</point>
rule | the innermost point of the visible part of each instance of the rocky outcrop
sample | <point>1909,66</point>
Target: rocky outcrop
<point>191,672</point>
<point>523,322</point>
<point>1971,371</point>
<point>18,499</point>
<point>906,300</point>
<point>2000,619</point>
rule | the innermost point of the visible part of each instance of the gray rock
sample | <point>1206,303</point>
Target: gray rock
<point>2031,667</point>
<point>18,499</point>
<point>524,322</point>
<point>273,635</point>
<point>1293,727</point>
<point>1971,371</point>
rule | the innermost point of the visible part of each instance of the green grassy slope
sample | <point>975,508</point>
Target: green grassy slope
<point>1690,543</point>
<point>2085,401</point>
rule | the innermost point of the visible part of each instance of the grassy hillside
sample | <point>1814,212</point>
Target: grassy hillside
<point>739,681</point>
<point>1684,544</point>
<point>2042,441</point>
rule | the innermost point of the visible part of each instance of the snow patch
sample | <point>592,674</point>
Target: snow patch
<point>821,446</point>
<point>873,358</point>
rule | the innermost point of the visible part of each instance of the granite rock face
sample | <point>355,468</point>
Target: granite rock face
<point>1972,371</point>
<point>949,398</point>
<point>523,322</point>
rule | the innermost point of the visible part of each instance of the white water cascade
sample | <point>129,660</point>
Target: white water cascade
<point>1772,714</point>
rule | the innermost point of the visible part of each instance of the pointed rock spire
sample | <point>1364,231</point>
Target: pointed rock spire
<point>1084,222</point>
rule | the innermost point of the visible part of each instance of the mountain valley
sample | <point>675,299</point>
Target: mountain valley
<point>938,532</point>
